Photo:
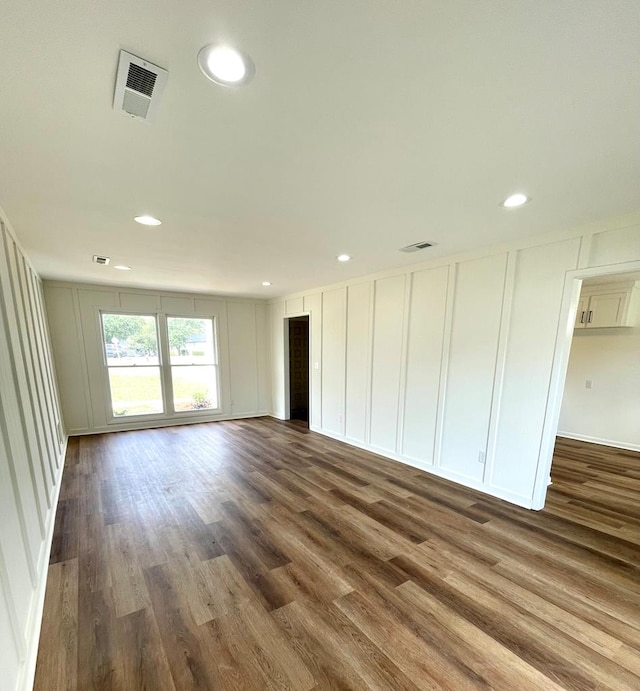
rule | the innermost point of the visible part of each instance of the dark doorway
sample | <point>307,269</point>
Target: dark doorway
<point>299,368</point>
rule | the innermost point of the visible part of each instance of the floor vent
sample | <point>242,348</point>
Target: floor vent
<point>139,85</point>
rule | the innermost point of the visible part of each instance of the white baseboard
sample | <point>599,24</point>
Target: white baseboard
<point>28,670</point>
<point>434,470</point>
<point>169,422</point>
<point>603,442</point>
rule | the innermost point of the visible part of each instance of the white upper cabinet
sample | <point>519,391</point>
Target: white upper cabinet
<point>606,306</point>
<point>581,314</point>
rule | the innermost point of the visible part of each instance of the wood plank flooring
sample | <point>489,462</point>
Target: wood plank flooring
<point>256,555</point>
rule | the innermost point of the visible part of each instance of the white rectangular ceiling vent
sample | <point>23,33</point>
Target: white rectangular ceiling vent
<point>139,85</point>
<point>417,246</point>
<point>99,259</point>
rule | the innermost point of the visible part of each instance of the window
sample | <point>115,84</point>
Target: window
<point>156,364</point>
<point>194,364</point>
<point>133,364</point>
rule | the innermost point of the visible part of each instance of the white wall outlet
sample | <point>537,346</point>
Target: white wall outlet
<point>588,384</point>
<point>340,419</point>
<point>316,365</point>
<point>482,456</point>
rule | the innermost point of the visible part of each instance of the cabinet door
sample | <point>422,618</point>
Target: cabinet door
<point>606,310</point>
<point>581,314</point>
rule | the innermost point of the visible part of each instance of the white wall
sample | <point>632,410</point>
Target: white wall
<point>73,313</point>
<point>609,412</point>
<point>450,362</point>
<point>32,446</point>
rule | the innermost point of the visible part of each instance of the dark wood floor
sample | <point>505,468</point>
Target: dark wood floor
<point>255,555</point>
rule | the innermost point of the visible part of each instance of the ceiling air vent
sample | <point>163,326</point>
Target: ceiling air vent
<point>103,261</point>
<point>417,246</point>
<point>138,87</point>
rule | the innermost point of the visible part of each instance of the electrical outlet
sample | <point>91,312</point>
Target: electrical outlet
<point>316,365</point>
<point>340,419</point>
<point>588,384</point>
<point>482,456</point>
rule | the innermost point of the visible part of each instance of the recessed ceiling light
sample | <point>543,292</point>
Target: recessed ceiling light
<point>343,257</point>
<point>122,267</point>
<point>148,220</point>
<point>225,65</point>
<point>515,200</point>
<point>266,283</point>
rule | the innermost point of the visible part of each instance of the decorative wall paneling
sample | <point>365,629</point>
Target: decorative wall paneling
<point>32,445</point>
<point>453,366</point>
<point>74,312</point>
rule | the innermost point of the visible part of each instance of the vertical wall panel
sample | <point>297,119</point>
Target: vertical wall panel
<point>177,307</point>
<point>614,246</point>
<point>358,365</point>
<point>139,302</point>
<point>31,360</point>
<point>9,658</point>
<point>19,547</point>
<point>539,281</point>
<point>263,353</point>
<point>278,369</point>
<point>294,305</point>
<point>69,357</point>
<point>207,308</point>
<point>387,356</point>
<point>47,359</point>
<point>472,360</point>
<point>243,366</point>
<point>313,305</point>
<point>18,355</point>
<point>424,360</point>
<point>40,363</point>
<point>333,359</point>
<point>90,304</point>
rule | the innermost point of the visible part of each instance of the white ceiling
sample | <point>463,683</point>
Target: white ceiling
<point>369,125</point>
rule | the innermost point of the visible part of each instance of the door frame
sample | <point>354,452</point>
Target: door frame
<point>564,337</point>
<point>287,387</point>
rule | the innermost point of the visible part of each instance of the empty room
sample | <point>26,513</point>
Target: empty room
<point>319,345</point>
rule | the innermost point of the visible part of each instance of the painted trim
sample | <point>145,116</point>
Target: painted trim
<point>404,361</point>
<point>504,332</point>
<point>445,357</point>
<point>34,623</point>
<point>584,253</point>
<point>345,330</point>
<point>564,338</point>
<point>287,374</point>
<point>9,600</point>
<point>131,290</point>
<point>433,470</point>
<point>602,442</point>
<point>368,391</point>
<point>156,424</point>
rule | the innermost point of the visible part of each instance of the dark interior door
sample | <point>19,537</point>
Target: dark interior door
<point>299,368</point>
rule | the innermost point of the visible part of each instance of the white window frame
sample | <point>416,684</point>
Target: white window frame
<point>164,365</point>
<point>113,418</point>
<point>216,364</point>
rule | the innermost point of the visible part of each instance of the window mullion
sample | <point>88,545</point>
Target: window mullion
<point>165,365</point>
